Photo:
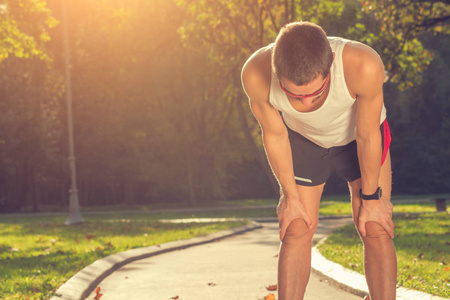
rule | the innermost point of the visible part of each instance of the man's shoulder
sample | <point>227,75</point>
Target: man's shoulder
<point>362,66</point>
<point>257,71</point>
<point>260,62</point>
<point>360,55</point>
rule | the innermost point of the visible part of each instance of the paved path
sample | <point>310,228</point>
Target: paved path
<point>238,267</point>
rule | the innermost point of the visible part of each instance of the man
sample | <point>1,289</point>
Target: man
<point>319,102</point>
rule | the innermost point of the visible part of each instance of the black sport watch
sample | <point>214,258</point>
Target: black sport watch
<point>374,196</point>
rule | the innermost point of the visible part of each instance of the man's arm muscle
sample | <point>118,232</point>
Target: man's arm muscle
<point>365,80</point>
<point>256,76</point>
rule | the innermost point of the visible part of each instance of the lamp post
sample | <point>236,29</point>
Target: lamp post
<point>74,206</point>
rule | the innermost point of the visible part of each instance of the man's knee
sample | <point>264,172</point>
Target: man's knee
<point>375,231</point>
<point>298,230</point>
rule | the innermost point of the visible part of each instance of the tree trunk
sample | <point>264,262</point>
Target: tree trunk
<point>35,194</point>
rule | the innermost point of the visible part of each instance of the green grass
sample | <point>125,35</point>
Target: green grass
<point>338,208</point>
<point>327,208</point>
<point>422,243</point>
<point>156,206</point>
<point>215,204</point>
<point>414,197</point>
<point>210,213</point>
<point>37,255</point>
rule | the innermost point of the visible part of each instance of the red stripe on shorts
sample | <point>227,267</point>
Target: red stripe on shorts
<point>386,141</point>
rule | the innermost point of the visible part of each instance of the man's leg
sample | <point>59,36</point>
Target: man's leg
<point>294,262</point>
<point>380,261</point>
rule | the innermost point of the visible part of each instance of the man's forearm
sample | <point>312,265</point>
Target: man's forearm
<point>369,155</point>
<point>278,151</point>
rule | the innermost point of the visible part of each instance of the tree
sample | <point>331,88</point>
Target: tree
<point>29,110</point>
<point>421,126</point>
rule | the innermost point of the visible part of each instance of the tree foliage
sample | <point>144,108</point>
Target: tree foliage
<point>393,29</point>
<point>24,26</point>
<point>421,126</point>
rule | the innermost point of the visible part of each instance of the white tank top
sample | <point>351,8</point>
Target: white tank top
<point>334,123</point>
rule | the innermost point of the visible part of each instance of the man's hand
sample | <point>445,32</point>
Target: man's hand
<point>288,210</point>
<point>379,211</point>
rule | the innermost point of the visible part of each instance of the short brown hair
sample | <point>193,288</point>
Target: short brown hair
<point>301,53</point>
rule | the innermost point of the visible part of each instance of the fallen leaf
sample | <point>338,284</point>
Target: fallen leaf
<point>176,297</point>
<point>272,287</point>
<point>126,277</point>
<point>269,297</point>
<point>211,284</point>
<point>158,246</point>
<point>90,237</point>
<point>447,269</point>
<point>97,292</point>
<point>420,255</point>
<point>109,244</point>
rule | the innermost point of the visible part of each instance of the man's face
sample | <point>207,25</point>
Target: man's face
<point>308,93</point>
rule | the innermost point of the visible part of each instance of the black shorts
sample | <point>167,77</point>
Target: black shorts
<point>314,164</point>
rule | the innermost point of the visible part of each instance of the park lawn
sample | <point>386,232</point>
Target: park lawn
<point>422,243</point>
<point>37,255</point>
<point>327,208</point>
<point>331,207</point>
<point>213,205</point>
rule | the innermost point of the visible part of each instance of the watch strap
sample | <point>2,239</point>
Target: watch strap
<point>374,196</point>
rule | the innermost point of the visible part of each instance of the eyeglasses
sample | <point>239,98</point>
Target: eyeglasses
<point>319,91</point>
